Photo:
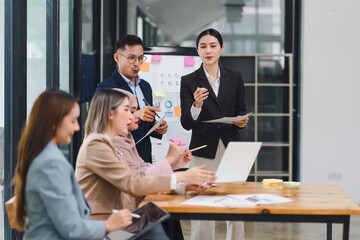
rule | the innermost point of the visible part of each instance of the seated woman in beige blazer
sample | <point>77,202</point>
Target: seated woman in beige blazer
<point>102,172</point>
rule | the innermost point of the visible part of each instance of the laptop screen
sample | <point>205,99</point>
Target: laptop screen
<point>237,161</point>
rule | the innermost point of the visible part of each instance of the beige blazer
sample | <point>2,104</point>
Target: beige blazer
<point>107,181</point>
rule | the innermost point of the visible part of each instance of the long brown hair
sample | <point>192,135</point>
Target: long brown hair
<point>46,115</point>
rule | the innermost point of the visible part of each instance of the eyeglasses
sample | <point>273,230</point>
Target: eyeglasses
<point>132,59</point>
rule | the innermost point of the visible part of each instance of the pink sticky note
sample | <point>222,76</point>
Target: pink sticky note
<point>156,57</point>
<point>189,61</point>
<point>175,139</point>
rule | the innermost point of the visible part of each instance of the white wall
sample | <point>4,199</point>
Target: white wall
<point>330,94</point>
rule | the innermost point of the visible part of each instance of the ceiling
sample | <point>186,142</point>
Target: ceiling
<point>180,18</point>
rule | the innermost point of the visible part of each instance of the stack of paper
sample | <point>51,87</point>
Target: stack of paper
<point>228,120</point>
<point>235,201</point>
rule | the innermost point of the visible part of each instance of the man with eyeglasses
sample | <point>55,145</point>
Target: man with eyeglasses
<point>129,55</point>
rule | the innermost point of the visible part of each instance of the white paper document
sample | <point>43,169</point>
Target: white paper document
<point>152,129</point>
<point>262,198</point>
<point>218,201</point>
<point>236,201</point>
<point>228,120</point>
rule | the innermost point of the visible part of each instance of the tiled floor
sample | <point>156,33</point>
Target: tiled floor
<point>284,231</point>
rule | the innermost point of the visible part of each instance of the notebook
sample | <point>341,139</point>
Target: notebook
<point>237,161</point>
<point>151,216</point>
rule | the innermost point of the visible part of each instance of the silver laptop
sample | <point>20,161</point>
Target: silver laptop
<point>237,161</point>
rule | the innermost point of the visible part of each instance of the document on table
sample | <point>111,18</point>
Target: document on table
<point>228,120</point>
<point>236,201</point>
<point>262,198</point>
<point>152,129</point>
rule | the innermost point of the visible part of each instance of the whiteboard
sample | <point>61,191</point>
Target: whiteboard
<point>164,75</point>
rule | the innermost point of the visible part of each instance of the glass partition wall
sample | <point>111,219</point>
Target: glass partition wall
<point>2,120</point>
<point>274,117</point>
<point>247,26</point>
<point>269,96</point>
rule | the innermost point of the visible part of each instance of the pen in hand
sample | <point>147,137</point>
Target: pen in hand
<point>198,148</point>
<point>134,215</point>
<point>146,103</point>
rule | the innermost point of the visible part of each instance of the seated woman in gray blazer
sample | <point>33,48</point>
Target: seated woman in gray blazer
<point>49,203</point>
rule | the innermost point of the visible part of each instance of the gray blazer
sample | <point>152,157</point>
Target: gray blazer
<point>55,205</point>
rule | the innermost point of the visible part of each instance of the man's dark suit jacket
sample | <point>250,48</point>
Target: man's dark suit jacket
<point>143,147</point>
<point>229,103</point>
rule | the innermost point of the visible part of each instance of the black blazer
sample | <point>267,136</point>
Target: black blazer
<point>229,103</point>
<point>143,147</point>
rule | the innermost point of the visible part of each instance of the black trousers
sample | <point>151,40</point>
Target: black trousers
<point>173,229</point>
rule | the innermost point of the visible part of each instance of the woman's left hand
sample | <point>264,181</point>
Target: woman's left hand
<point>242,123</point>
<point>162,129</point>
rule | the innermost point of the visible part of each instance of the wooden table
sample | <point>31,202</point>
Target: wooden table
<point>312,203</point>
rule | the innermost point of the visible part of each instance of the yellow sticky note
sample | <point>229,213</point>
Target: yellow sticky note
<point>196,67</point>
<point>145,67</point>
<point>177,111</point>
<point>159,94</point>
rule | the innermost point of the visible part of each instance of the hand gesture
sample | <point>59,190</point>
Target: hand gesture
<point>241,123</point>
<point>147,113</point>
<point>162,129</point>
<point>118,220</point>
<point>196,175</point>
<point>200,95</point>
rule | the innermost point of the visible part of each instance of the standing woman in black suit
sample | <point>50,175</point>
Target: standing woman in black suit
<point>208,93</point>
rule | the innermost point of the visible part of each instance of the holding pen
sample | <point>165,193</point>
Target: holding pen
<point>146,103</point>
<point>148,113</point>
<point>134,215</point>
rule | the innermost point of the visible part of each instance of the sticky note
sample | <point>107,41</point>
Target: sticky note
<point>175,139</point>
<point>189,61</point>
<point>145,67</point>
<point>196,67</point>
<point>291,184</point>
<point>177,111</point>
<point>272,181</point>
<point>159,94</point>
<point>156,57</point>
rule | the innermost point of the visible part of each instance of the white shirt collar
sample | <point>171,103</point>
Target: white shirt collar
<point>137,79</point>
<point>208,75</point>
